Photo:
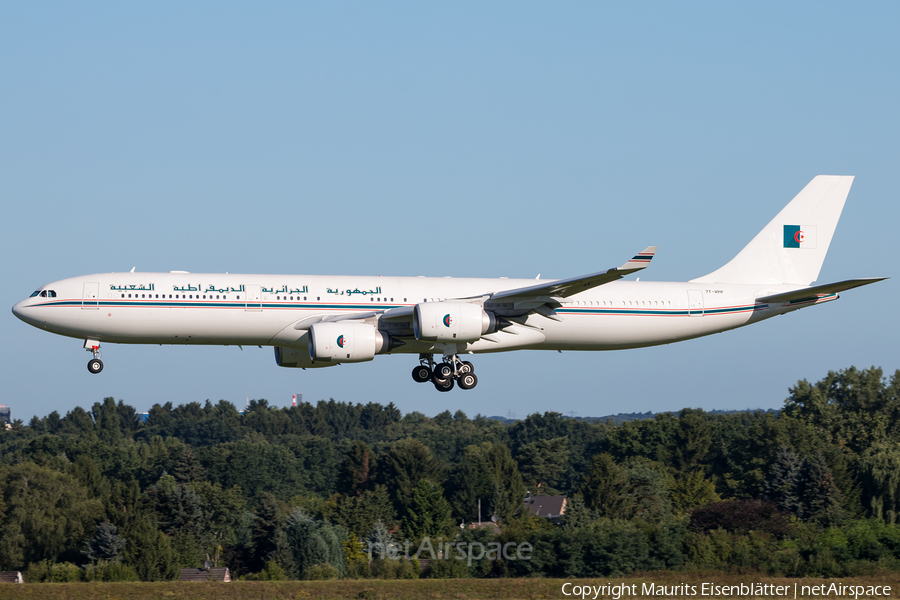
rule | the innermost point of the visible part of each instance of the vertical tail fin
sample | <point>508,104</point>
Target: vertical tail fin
<point>793,245</point>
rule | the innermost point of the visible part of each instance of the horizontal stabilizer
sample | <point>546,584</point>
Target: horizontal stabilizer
<point>818,290</point>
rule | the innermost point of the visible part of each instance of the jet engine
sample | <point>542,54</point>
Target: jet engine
<point>451,322</point>
<point>347,341</point>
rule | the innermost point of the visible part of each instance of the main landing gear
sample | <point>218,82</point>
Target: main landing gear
<point>446,374</point>
<point>95,365</point>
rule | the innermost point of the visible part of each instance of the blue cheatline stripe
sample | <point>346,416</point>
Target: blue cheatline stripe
<point>208,304</point>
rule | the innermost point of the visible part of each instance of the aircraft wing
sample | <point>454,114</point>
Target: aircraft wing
<point>563,288</point>
<point>520,300</point>
<point>818,290</point>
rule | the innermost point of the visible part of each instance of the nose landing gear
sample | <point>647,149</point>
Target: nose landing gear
<point>446,374</point>
<point>95,365</point>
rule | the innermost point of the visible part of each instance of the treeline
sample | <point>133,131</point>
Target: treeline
<point>306,491</point>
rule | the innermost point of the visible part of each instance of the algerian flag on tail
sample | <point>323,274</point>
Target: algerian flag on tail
<point>800,236</point>
<point>806,224</point>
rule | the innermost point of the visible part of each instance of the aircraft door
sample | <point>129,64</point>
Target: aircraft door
<point>254,297</point>
<point>90,297</point>
<point>695,303</point>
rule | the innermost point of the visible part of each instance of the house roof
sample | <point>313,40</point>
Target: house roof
<point>211,574</point>
<point>546,506</point>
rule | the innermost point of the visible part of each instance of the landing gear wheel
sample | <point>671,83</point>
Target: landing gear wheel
<point>421,374</point>
<point>467,381</point>
<point>443,371</point>
<point>466,367</point>
<point>443,385</point>
<point>95,365</point>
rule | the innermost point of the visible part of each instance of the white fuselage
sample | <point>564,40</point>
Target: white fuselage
<point>234,309</point>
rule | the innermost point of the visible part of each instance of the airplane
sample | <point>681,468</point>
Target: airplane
<point>317,321</point>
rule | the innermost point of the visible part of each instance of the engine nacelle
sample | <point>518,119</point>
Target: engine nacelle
<point>451,322</point>
<point>346,342</point>
<point>292,357</point>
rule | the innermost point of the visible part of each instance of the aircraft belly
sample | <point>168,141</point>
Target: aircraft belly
<point>163,325</point>
<point>614,332</point>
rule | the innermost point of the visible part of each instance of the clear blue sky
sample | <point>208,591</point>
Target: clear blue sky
<point>465,139</point>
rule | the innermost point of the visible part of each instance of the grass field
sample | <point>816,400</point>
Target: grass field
<point>437,589</point>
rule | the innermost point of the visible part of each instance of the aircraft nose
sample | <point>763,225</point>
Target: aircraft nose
<point>21,311</point>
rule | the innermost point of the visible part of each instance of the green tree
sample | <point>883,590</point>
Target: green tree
<point>358,470</point>
<point>106,544</point>
<point>265,524</point>
<point>648,490</point>
<point>487,472</point>
<point>880,470</point>
<point>857,408</point>
<point>693,438</point>
<point>690,490</point>
<point>360,513</point>
<point>46,515</point>
<point>604,487</point>
<point>429,512</point>
<point>380,542</point>
<point>823,501</point>
<point>150,553</point>
<point>783,486</point>
<point>188,468</point>
<point>221,514</point>
<point>403,466</point>
<point>176,507</point>
<point>314,543</point>
<point>542,462</point>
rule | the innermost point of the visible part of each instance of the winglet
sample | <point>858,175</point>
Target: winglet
<point>640,261</point>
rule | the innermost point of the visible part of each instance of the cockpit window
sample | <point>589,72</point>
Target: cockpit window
<point>35,293</point>
<point>44,294</point>
<point>51,293</point>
